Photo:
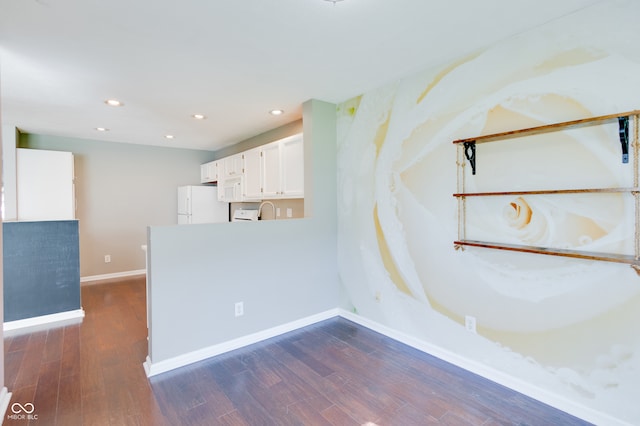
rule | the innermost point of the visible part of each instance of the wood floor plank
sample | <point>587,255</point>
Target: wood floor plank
<point>292,388</point>
<point>30,365</point>
<point>53,345</point>
<point>236,388</point>
<point>12,366</point>
<point>336,416</point>
<point>45,399</point>
<point>69,410</point>
<point>303,413</point>
<point>233,419</point>
<point>408,414</point>
<point>313,363</point>
<point>334,372</point>
<point>365,404</point>
<point>94,409</point>
<point>91,378</point>
<point>16,343</point>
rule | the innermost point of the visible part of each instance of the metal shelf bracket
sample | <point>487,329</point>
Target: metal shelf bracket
<point>623,123</point>
<point>470,154</point>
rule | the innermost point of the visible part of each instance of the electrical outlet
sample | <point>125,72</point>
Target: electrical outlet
<point>239,309</point>
<point>107,258</point>
<point>277,211</point>
<point>470,323</point>
<point>289,212</point>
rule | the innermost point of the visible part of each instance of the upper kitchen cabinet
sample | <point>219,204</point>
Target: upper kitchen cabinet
<point>252,183</point>
<point>209,172</point>
<point>283,168</point>
<point>292,170</point>
<point>232,166</point>
<point>271,171</point>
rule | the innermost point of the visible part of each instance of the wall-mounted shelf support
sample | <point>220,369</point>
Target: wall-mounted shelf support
<point>470,154</point>
<point>633,190</point>
<point>467,149</point>
<point>576,254</point>
<point>623,123</point>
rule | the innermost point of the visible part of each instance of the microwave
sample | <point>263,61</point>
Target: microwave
<point>231,190</point>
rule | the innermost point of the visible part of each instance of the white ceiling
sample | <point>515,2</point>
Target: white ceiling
<point>232,60</point>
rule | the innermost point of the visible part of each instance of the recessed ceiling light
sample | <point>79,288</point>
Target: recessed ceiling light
<point>113,102</point>
<point>102,129</point>
<point>199,116</point>
<point>276,112</point>
<point>169,136</point>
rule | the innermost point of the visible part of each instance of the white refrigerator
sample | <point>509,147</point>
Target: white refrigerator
<point>199,204</point>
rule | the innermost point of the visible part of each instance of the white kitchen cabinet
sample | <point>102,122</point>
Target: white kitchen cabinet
<point>230,178</point>
<point>209,172</point>
<point>252,182</point>
<point>271,170</point>
<point>292,167</point>
<point>232,166</point>
<point>283,168</point>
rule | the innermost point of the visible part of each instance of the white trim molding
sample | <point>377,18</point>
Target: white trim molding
<point>29,325</point>
<point>155,368</point>
<point>5,398</point>
<point>95,279</point>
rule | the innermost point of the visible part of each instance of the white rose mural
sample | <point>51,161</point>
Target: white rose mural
<point>562,324</point>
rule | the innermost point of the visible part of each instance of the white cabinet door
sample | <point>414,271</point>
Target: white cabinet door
<point>252,190</point>
<point>232,166</point>
<point>292,167</point>
<point>208,172</point>
<point>271,170</point>
<point>283,168</point>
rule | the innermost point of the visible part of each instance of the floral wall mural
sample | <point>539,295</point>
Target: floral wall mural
<point>568,326</point>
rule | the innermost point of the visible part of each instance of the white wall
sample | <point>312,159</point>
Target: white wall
<point>282,270</point>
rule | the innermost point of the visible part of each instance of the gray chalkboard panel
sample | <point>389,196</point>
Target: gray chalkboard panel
<point>41,268</point>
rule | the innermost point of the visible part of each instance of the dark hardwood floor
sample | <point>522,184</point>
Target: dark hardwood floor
<point>331,373</point>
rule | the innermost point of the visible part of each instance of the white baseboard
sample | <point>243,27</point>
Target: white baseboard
<point>94,279</point>
<point>5,398</point>
<point>554,400</point>
<point>29,325</point>
<point>154,368</point>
